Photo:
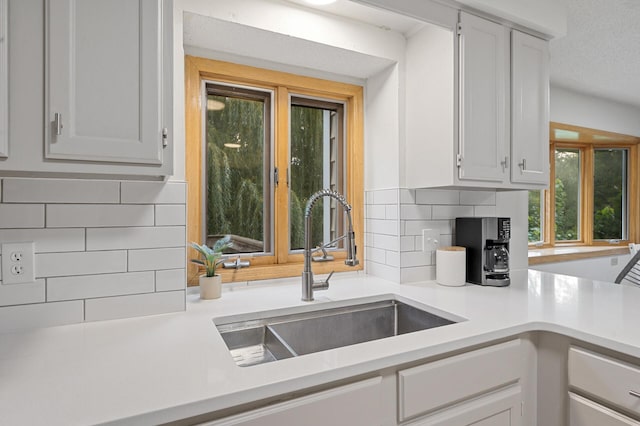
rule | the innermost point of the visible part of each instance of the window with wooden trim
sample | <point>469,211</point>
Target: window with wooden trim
<point>593,192</point>
<point>259,144</point>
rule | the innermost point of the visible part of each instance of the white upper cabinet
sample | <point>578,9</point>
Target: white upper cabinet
<point>477,107</point>
<point>483,106</point>
<point>104,81</point>
<point>529,109</point>
<point>4,78</point>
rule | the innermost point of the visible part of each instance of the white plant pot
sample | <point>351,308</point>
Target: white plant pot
<point>210,287</point>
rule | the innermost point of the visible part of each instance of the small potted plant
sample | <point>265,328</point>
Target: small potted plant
<point>210,283</point>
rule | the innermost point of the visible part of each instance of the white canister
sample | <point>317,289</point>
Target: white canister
<point>451,266</point>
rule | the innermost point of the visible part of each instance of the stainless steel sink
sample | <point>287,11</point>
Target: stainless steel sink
<point>256,340</point>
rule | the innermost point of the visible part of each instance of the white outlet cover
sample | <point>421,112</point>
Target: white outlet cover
<point>430,239</point>
<point>26,264</point>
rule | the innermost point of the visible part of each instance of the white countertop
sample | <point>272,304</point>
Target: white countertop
<point>161,368</point>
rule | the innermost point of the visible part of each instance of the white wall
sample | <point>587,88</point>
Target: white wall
<point>570,107</point>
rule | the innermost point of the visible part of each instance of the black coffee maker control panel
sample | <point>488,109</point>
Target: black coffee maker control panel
<point>504,228</point>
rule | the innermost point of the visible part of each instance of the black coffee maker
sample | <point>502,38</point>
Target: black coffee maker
<point>486,240</point>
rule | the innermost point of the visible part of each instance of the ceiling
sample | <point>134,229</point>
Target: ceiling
<point>601,53</point>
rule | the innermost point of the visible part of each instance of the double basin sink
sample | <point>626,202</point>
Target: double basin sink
<point>257,339</point>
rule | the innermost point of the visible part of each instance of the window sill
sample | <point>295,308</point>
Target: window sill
<point>563,254</point>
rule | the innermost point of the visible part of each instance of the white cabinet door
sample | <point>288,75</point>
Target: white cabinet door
<point>484,66</point>
<point>584,412</point>
<point>355,404</point>
<point>500,408</point>
<point>104,73</point>
<point>4,80</point>
<point>529,109</point>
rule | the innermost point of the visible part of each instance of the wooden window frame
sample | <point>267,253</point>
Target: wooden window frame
<point>590,139</point>
<point>282,263</point>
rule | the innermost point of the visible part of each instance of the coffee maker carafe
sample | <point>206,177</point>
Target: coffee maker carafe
<point>487,242</point>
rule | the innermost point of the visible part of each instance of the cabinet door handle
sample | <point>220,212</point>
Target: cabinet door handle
<point>57,123</point>
<point>634,393</point>
<point>505,163</point>
<point>523,164</point>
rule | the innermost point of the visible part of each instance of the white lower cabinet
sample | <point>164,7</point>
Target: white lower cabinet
<point>500,408</point>
<point>584,412</point>
<point>354,404</point>
<point>611,389</point>
<point>484,386</point>
<point>434,386</point>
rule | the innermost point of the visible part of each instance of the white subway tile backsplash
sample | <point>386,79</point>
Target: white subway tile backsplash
<point>96,215</point>
<point>407,213</point>
<point>171,279</point>
<point>451,212</point>
<point>407,243</point>
<point>135,237</point>
<point>92,286</point>
<point>157,259</point>
<point>21,215</point>
<point>407,196</point>
<point>393,258</point>
<point>95,241</point>
<point>385,196</point>
<point>135,305</point>
<point>21,317</point>
<point>375,255</point>
<point>415,212</point>
<point>20,294</point>
<point>386,272</point>
<point>46,240</point>
<point>415,227</point>
<point>420,273</point>
<point>80,263</point>
<point>171,214</point>
<point>368,197</point>
<point>376,212</point>
<point>410,259</point>
<point>484,211</point>
<point>154,192</point>
<point>19,190</point>
<point>391,212</point>
<point>387,227</point>
<point>437,196</point>
<point>386,242</point>
<point>485,198</point>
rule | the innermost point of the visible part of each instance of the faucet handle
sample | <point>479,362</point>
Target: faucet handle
<point>323,285</point>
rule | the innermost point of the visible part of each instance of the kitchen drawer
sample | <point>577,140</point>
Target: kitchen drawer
<point>435,385</point>
<point>358,404</point>
<point>584,412</point>
<point>605,378</point>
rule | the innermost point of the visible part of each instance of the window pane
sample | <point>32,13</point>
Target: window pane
<point>567,199</point>
<point>316,163</point>
<point>238,160</point>
<point>536,214</point>
<point>610,194</point>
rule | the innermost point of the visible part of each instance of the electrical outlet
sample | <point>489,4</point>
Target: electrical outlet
<point>430,239</point>
<point>18,263</point>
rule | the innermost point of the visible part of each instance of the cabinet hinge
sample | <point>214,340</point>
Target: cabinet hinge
<point>459,160</point>
<point>276,176</point>
<point>165,137</point>
<point>459,29</point>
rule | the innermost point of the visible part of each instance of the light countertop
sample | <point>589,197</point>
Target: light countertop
<point>156,369</point>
